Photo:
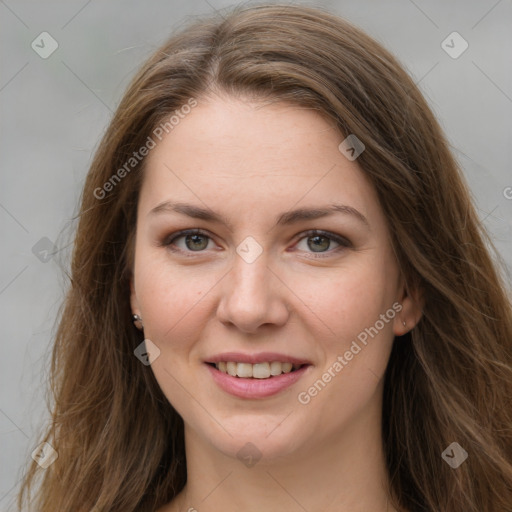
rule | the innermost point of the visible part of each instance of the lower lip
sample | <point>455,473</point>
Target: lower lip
<point>255,388</point>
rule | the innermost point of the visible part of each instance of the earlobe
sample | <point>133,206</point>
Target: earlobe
<point>412,302</point>
<point>134,304</point>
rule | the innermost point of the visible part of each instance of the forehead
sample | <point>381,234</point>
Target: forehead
<point>234,154</point>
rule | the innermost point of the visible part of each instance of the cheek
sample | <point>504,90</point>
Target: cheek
<point>356,306</point>
<point>174,300</point>
<point>343,302</point>
<point>364,321</point>
<point>355,360</point>
<point>174,316</point>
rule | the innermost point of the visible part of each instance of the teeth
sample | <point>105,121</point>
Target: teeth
<point>244,370</point>
<point>276,368</point>
<point>256,371</point>
<point>231,368</point>
<point>287,367</point>
<point>261,370</point>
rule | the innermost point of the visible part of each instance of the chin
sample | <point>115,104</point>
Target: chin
<point>265,440</point>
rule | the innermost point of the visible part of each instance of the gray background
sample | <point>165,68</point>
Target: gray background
<point>54,111</point>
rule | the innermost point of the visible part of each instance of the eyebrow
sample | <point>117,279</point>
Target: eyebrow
<point>286,218</point>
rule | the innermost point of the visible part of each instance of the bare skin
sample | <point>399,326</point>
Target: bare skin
<point>303,296</point>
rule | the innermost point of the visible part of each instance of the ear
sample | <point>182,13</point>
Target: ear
<point>410,297</point>
<point>133,298</point>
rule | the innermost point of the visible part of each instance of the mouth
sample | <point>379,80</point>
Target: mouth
<point>257,380</point>
<point>261,371</point>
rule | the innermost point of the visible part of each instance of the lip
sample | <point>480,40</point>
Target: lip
<point>255,388</point>
<point>262,357</point>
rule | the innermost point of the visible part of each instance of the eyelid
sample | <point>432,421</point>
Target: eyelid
<point>177,234</point>
<point>342,241</point>
<point>168,240</point>
<point>328,234</point>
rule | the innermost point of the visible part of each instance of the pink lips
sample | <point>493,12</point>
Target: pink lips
<point>255,388</point>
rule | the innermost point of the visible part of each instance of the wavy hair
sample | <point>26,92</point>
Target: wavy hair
<point>120,442</point>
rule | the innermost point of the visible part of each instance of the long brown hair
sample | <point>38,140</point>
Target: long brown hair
<point>120,442</point>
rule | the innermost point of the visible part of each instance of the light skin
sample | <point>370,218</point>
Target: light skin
<point>250,163</point>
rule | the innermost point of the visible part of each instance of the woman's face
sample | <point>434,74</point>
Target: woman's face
<point>256,286</point>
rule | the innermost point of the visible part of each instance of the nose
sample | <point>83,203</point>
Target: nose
<point>253,295</point>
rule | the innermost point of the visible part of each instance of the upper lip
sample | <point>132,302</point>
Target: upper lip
<point>261,357</point>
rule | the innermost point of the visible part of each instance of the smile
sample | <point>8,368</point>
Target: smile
<point>263,370</point>
<point>255,381</point>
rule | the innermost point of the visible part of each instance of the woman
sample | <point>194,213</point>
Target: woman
<point>218,352</point>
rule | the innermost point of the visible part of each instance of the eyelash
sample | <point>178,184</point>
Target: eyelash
<point>344,243</point>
